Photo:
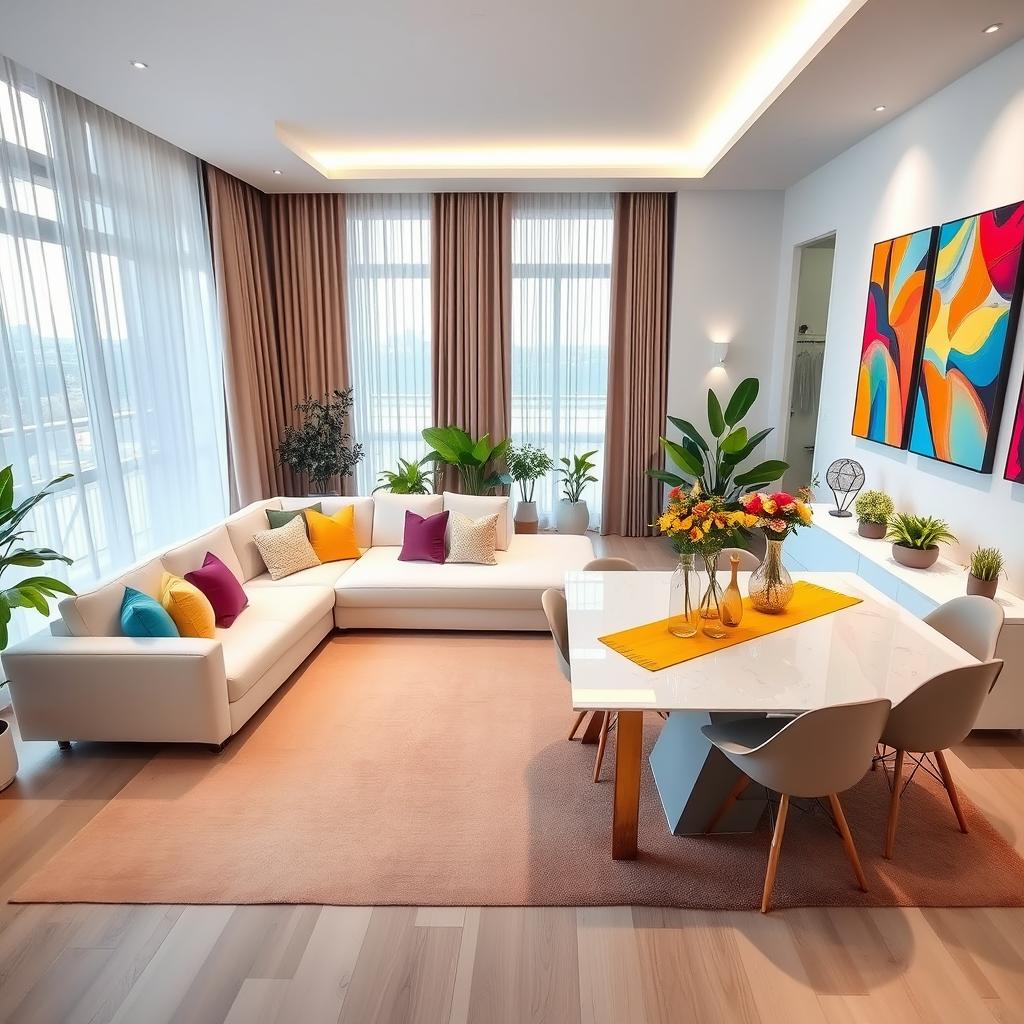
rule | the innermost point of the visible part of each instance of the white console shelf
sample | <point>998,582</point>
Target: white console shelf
<point>833,543</point>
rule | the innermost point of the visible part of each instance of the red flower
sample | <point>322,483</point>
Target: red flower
<point>752,503</point>
<point>782,499</point>
<point>674,493</point>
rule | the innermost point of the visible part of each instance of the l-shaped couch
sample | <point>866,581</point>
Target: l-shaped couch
<point>86,681</point>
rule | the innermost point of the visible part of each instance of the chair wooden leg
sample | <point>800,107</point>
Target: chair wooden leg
<point>601,743</point>
<point>878,754</point>
<point>844,831</point>
<point>734,794</point>
<point>894,805</point>
<point>954,798</point>
<point>592,733</point>
<point>773,855</point>
<point>576,724</point>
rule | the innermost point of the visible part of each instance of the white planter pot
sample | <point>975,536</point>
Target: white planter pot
<point>526,517</point>
<point>573,516</point>
<point>8,755</point>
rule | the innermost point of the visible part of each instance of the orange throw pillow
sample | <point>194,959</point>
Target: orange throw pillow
<point>188,607</point>
<point>333,537</point>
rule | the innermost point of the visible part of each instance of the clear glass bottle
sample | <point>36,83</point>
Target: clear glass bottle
<point>771,586</point>
<point>683,597</point>
<point>711,603</point>
<point>732,599</point>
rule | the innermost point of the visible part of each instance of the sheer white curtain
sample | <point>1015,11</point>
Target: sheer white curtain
<point>388,245</point>
<point>110,356</point>
<point>561,300</point>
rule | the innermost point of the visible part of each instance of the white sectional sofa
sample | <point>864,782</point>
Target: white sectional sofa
<point>85,681</point>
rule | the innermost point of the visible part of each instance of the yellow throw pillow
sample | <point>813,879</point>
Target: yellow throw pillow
<point>188,606</point>
<point>333,537</point>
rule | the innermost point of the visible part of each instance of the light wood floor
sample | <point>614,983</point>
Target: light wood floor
<point>150,964</point>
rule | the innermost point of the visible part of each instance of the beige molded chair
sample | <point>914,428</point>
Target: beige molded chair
<point>818,754</point>
<point>748,562</point>
<point>971,622</point>
<point>610,565</point>
<point>937,715</point>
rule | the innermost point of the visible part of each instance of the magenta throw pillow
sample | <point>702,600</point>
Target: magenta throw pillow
<point>222,590</point>
<point>424,538</point>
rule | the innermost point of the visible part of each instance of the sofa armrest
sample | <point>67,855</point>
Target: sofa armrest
<point>162,690</point>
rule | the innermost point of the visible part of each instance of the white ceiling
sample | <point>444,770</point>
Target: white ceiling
<point>400,94</point>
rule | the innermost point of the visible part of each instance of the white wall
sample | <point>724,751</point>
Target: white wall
<point>958,153</point>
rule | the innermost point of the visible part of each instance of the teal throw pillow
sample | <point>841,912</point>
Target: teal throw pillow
<point>142,615</point>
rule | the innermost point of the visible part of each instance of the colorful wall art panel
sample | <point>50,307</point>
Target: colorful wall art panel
<point>901,274</point>
<point>972,321</point>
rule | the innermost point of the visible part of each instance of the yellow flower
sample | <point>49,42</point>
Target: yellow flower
<point>805,513</point>
<point>685,524</point>
<point>706,525</point>
<point>696,535</point>
<point>769,506</point>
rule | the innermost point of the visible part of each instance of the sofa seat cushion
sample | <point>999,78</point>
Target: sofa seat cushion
<point>275,619</point>
<point>326,574</point>
<point>530,566</point>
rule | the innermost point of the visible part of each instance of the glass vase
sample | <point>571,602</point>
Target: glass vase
<point>771,586</point>
<point>732,599</point>
<point>710,611</point>
<point>683,598</point>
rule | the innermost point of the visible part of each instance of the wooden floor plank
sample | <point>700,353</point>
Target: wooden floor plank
<point>611,985</point>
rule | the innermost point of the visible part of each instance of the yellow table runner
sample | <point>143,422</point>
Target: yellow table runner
<point>653,647</point>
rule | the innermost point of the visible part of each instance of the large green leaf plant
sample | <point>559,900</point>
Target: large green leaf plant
<point>476,461</point>
<point>714,463</point>
<point>33,592</point>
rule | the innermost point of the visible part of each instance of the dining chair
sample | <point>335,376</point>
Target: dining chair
<point>748,562</point>
<point>937,715</point>
<point>610,565</point>
<point>818,754</point>
<point>555,609</point>
<point>971,622</point>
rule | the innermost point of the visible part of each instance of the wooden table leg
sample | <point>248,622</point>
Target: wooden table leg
<point>625,817</point>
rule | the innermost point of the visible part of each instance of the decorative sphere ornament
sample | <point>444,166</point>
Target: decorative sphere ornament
<point>845,478</point>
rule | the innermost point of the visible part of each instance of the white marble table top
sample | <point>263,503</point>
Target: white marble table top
<point>874,649</point>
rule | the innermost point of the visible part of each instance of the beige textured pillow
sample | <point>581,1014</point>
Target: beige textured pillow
<point>286,549</point>
<point>472,540</point>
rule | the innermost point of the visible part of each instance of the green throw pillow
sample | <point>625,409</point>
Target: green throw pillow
<point>279,518</point>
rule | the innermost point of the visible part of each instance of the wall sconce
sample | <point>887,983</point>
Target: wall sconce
<point>721,350</point>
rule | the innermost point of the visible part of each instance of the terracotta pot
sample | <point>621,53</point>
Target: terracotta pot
<point>915,558</point>
<point>874,531</point>
<point>983,588</point>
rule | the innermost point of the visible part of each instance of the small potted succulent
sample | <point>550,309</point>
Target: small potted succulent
<point>573,515</point>
<point>916,539</point>
<point>873,510</point>
<point>986,567</point>
<point>527,463</point>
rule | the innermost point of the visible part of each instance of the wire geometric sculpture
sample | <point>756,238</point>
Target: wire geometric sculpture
<point>845,478</point>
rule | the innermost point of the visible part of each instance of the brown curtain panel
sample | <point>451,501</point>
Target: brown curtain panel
<point>472,312</point>
<point>256,410</point>
<point>638,360</point>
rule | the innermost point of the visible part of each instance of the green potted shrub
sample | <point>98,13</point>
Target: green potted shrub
<point>408,478</point>
<point>320,449</point>
<point>474,460</point>
<point>573,515</point>
<point>986,567</point>
<point>916,539</point>
<point>527,464</point>
<point>874,509</point>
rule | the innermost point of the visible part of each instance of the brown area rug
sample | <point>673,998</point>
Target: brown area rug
<point>434,770</point>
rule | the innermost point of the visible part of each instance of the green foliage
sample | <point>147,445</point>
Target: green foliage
<point>320,449</point>
<point>873,507</point>
<point>33,592</point>
<point>713,464</point>
<point>576,475</point>
<point>918,531</point>
<point>527,464</point>
<point>475,460</point>
<point>987,564</point>
<point>409,478</point>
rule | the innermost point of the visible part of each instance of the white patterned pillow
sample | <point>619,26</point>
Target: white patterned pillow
<point>286,549</point>
<point>472,540</point>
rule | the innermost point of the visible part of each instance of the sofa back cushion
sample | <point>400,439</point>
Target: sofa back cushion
<point>362,512</point>
<point>191,555</point>
<point>241,527</point>
<point>475,506</point>
<point>389,515</point>
<point>97,612</point>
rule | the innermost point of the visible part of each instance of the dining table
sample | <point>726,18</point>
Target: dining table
<point>872,649</point>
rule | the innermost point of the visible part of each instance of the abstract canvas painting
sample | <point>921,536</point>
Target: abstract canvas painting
<point>971,323</point>
<point>901,274</point>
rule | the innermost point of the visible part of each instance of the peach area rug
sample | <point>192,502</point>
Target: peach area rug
<point>434,769</point>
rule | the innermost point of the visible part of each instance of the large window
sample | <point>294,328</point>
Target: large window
<point>561,297</point>
<point>110,352</point>
<point>388,241</point>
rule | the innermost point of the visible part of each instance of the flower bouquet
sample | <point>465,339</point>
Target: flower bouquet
<point>778,515</point>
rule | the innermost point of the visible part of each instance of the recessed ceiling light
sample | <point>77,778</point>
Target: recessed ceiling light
<point>879,108</point>
<point>995,27</point>
<point>138,65</point>
<point>278,171</point>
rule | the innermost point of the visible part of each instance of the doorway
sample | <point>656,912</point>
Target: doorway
<point>810,327</point>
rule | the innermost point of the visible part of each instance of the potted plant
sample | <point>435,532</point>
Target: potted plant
<point>528,464</point>
<point>474,460</point>
<point>31,592</point>
<point>409,478</point>
<point>320,448</point>
<point>573,515</point>
<point>873,508</point>
<point>916,539</point>
<point>986,566</point>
